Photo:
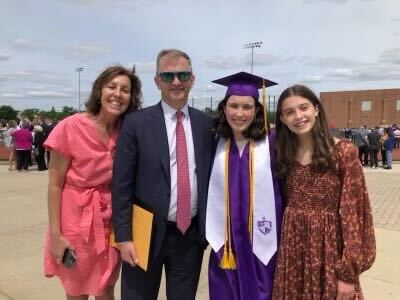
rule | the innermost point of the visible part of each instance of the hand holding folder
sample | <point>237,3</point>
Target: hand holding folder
<point>142,223</point>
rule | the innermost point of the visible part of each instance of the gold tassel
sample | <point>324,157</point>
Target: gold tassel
<point>232,260</point>
<point>228,261</point>
<point>224,262</point>
<point>264,103</point>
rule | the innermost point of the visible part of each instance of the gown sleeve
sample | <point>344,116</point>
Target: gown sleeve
<point>356,223</point>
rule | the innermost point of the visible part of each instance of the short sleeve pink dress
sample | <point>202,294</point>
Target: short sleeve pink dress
<point>85,207</point>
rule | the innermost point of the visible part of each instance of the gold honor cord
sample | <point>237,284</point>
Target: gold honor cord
<point>264,103</point>
<point>228,261</point>
<point>251,190</point>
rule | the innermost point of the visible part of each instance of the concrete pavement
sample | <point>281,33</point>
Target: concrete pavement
<point>23,216</point>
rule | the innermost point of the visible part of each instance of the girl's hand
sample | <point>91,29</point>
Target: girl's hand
<point>345,290</point>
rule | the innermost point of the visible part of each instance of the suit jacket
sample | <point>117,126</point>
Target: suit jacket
<point>141,172</point>
<point>374,139</point>
<point>47,129</point>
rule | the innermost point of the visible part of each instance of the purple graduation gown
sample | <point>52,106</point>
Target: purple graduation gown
<point>251,280</point>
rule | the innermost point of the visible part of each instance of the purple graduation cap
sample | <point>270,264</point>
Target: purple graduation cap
<point>243,84</point>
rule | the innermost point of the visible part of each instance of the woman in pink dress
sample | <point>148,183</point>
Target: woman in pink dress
<point>82,148</point>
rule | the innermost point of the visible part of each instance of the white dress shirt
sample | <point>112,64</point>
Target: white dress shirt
<point>170,123</point>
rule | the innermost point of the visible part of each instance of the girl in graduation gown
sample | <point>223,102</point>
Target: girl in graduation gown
<point>244,203</point>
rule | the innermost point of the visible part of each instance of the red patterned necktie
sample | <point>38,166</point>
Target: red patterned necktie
<point>183,218</point>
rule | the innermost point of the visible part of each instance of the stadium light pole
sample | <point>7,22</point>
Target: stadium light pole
<point>79,70</point>
<point>252,46</point>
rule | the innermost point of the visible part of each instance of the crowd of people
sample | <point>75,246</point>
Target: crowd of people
<point>285,210</point>
<point>374,144</point>
<point>24,140</point>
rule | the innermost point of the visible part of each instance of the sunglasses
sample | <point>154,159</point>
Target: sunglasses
<point>168,77</point>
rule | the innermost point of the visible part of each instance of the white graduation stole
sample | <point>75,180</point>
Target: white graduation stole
<point>264,215</point>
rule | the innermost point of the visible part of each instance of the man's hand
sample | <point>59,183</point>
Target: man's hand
<point>128,253</point>
<point>345,290</point>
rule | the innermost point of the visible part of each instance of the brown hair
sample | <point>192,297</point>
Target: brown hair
<point>93,104</point>
<point>255,131</point>
<point>173,54</point>
<point>12,123</point>
<point>287,142</point>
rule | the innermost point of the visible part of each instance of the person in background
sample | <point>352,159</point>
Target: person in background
<point>39,150</point>
<point>327,237</point>
<point>388,145</point>
<point>48,127</point>
<point>361,141</point>
<point>10,143</point>
<point>374,145</point>
<point>79,205</point>
<point>396,134</point>
<point>23,146</point>
<point>244,206</point>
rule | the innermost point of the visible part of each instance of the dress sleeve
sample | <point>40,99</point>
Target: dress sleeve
<point>358,235</point>
<point>59,138</point>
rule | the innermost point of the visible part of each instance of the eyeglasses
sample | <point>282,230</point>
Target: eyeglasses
<point>168,77</point>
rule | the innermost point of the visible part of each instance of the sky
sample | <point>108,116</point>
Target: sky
<point>328,45</point>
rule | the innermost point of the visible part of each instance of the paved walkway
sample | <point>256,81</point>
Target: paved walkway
<point>23,220</point>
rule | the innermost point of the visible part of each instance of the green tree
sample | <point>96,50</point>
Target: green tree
<point>52,114</point>
<point>7,112</point>
<point>65,112</point>
<point>30,113</point>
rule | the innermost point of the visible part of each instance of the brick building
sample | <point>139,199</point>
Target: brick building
<point>367,107</point>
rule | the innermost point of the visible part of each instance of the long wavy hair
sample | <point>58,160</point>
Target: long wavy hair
<point>287,141</point>
<point>255,131</point>
<point>93,104</point>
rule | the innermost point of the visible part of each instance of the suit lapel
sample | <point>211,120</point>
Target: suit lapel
<point>162,138</point>
<point>197,133</point>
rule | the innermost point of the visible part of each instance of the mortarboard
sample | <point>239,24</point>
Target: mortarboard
<point>244,84</point>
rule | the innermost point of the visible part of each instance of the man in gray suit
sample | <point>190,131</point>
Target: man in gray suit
<point>162,163</point>
<point>361,141</point>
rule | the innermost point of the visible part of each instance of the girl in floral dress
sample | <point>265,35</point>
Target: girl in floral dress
<point>327,237</point>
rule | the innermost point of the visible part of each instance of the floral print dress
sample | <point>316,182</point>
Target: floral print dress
<point>327,230</point>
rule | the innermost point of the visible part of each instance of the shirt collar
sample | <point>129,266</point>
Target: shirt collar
<point>170,112</point>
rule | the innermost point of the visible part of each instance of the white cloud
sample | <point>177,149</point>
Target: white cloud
<point>11,95</point>
<point>52,94</point>
<point>36,78</point>
<point>333,1</point>
<point>263,59</point>
<point>328,62</point>
<point>223,62</point>
<point>391,56</point>
<point>230,62</point>
<point>23,44</point>
<point>85,52</point>
<point>312,79</point>
<point>97,2</point>
<point>4,56</point>
<point>144,67</point>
